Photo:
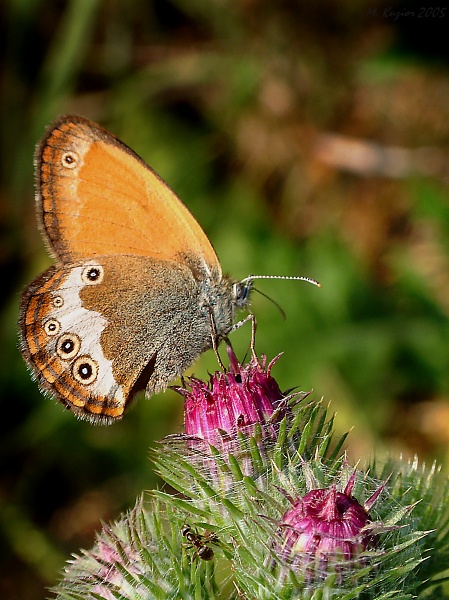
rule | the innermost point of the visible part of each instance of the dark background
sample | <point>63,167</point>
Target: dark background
<point>308,139</point>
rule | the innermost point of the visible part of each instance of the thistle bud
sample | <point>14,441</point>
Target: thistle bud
<point>327,526</point>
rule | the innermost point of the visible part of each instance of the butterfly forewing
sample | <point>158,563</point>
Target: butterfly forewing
<point>97,197</point>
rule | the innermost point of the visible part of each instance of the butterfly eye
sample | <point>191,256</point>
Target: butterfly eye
<point>52,327</point>
<point>92,275</point>
<point>69,160</point>
<point>68,346</point>
<point>241,293</point>
<point>85,370</point>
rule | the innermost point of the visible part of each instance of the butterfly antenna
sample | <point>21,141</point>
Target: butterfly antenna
<point>291,278</point>
<point>278,306</point>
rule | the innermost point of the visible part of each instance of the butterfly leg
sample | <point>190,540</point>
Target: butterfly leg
<point>214,337</point>
<point>253,335</point>
<point>251,317</point>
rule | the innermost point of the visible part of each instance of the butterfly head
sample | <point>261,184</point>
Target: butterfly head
<point>241,291</point>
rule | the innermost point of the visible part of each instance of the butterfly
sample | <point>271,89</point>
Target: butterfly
<point>136,293</point>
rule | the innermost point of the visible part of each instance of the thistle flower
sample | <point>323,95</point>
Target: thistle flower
<point>327,544</point>
<point>327,526</point>
<point>142,556</point>
<point>244,448</point>
<point>234,401</point>
<point>109,554</point>
<point>114,567</point>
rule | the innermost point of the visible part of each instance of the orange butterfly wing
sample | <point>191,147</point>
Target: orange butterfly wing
<point>98,197</point>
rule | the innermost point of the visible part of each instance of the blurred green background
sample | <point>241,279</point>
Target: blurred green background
<point>308,138</point>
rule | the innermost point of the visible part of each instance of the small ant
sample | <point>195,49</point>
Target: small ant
<point>199,542</point>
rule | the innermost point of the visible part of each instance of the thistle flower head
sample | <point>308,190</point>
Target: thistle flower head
<point>328,526</point>
<point>233,401</point>
<point>109,554</point>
